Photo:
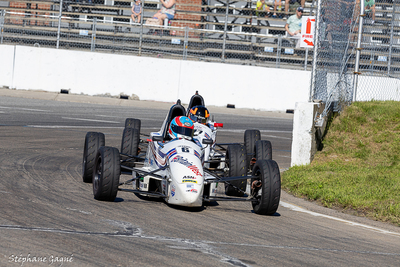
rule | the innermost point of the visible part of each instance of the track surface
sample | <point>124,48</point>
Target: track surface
<point>48,214</point>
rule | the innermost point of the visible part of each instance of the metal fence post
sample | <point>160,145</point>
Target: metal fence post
<point>315,54</point>
<point>391,38</point>
<point>3,12</point>
<point>358,52</point>
<point>305,58</point>
<point>141,30</point>
<point>59,24</point>
<point>185,43</point>
<point>93,45</point>
<point>225,29</point>
<point>278,51</point>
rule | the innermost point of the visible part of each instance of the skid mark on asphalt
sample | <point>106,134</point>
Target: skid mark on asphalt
<point>299,209</point>
<point>204,246</point>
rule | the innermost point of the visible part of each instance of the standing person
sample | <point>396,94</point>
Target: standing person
<point>136,11</point>
<point>369,6</point>
<point>293,25</point>
<point>167,11</point>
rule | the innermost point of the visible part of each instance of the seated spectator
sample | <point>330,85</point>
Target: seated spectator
<point>136,11</point>
<point>277,5</point>
<point>369,6</point>
<point>294,4</point>
<point>293,25</point>
<point>262,6</point>
<point>167,11</point>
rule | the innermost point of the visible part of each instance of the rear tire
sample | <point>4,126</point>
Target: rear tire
<point>267,194</point>
<point>263,149</point>
<point>130,145</point>
<point>106,174</point>
<point>250,139</point>
<point>236,162</point>
<point>93,141</point>
<point>133,123</point>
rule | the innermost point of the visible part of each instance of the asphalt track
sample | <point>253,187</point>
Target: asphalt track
<point>49,217</point>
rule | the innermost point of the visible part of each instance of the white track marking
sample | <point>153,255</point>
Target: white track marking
<point>82,127</point>
<point>299,209</point>
<point>243,130</point>
<point>28,109</point>
<point>80,119</point>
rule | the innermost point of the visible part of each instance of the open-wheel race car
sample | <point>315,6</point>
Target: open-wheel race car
<point>183,164</point>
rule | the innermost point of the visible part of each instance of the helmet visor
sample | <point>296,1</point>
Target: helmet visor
<point>197,118</point>
<point>182,130</point>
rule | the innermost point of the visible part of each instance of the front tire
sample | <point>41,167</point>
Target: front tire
<point>263,149</point>
<point>133,123</point>
<point>93,141</point>
<point>106,174</point>
<point>250,139</point>
<point>130,146</point>
<point>236,162</point>
<point>266,189</point>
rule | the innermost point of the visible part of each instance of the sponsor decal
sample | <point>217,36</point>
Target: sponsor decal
<point>188,164</point>
<point>195,170</point>
<point>189,177</point>
<point>189,181</point>
<point>173,190</point>
<point>192,191</point>
<point>190,186</point>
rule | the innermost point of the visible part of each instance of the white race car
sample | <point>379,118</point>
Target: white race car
<point>182,171</point>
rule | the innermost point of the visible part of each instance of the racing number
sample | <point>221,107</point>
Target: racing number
<point>185,149</point>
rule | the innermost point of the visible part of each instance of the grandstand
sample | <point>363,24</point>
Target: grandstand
<point>196,33</point>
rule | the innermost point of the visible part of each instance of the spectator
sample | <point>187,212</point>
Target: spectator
<point>167,11</point>
<point>294,4</point>
<point>369,6</point>
<point>261,5</point>
<point>293,25</point>
<point>136,11</point>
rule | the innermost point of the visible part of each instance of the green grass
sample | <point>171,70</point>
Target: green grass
<point>358,169</point>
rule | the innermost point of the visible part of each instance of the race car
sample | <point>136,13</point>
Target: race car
<point>178,168</point>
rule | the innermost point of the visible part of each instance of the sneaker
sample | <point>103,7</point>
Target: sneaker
<point>285,17</point>
<point>274,15</point>
<point>372,21</point>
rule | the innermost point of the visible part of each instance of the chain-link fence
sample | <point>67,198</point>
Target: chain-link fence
<point>357,56</point>
<point>357,52</point>
<point>225,33</point>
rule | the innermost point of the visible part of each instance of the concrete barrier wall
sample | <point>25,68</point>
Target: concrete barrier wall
<point>7,64</point>
<point>152,78</point>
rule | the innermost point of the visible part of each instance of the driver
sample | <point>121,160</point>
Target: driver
<point>181,127</point>
<point>199,114</point>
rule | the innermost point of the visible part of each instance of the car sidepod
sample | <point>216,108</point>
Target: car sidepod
<point>186,181</point>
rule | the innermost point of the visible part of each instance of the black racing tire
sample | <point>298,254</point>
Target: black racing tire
<point>133,123</point>
<point>106,174</point>
<point>250,139</point>
<point>130,145</point>
<point>235,159</point>
<point>93,141</point>
<point>263,149</point>
<point>269,182</point>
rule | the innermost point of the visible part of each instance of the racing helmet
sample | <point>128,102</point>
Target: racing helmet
<point>199,114</point>
<point>181,127</point>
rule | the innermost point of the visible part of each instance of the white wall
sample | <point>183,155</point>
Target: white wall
<point>152,78</point>
<point>7,64</point>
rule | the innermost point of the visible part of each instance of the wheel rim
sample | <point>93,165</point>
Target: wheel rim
<point>97,175</point>
<point>256,188</point>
